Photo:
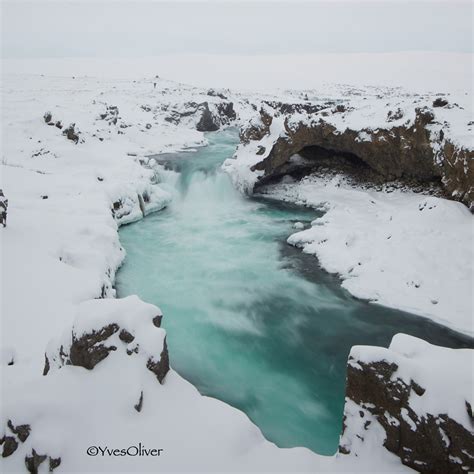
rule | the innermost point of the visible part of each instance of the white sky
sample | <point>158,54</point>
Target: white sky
<point>143,28</point>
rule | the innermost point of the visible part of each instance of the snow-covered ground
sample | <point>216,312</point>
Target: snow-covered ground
<point>398,248</point>
<point>60,251</point>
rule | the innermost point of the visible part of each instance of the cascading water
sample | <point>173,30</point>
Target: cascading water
<point>250,320</point>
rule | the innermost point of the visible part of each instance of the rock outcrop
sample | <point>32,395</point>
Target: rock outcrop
<point>123,333</point>
<point>88,348</point>
<point>3,209</point>
<point>207,116</point>
<point>413,145</point>
<point>417,393</point>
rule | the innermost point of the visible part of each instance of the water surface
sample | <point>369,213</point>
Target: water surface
<point>251,320</point>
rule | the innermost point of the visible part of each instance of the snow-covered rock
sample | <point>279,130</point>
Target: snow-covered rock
<point>403,391</point>
<point>106,384</point>
<point>396,135</point>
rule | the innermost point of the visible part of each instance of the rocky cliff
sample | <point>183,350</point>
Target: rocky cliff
<point>381,138</point>
<point>415,398</point>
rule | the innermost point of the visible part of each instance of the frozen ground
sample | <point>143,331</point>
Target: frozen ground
<point>60,251</point>
<point>394,248</point>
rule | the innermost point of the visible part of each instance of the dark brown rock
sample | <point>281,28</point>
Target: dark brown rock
<point>33,462</point>
<point>139,405</point>
<point>440,102</point>
<point>403,152</point>
<point>22,431</point>
<point>10,444</point>
<point>160,368</point>
<point>126,337</point>
<point>54,463</point>
<point>71,134</point>
<point>375,387</point>
<point>48,116</point>
<point>88,350</point>
<point>157,320</point>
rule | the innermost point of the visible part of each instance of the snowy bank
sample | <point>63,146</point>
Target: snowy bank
<point>81,369</point>
<point>396,248</point>
<point>399,394</point>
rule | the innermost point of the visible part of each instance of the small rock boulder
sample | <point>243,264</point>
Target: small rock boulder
<point>3,209</point>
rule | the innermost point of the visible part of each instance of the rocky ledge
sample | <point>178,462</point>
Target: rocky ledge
<point>126,336</point>
<point>381,138</point>
<point>416,399</point>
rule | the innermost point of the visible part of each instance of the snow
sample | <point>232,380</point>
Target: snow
<point>419,71</point>
<point>398,249</point>
<point>433,368</point>
<point>60,252</point>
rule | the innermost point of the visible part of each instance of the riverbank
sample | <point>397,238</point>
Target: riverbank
<point>395,248</point>
<point>60,251</point>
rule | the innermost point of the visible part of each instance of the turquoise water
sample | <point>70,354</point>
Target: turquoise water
<point>250,320</point>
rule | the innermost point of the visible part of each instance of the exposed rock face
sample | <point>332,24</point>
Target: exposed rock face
<point>3,209</point>
<point>160,367</point>
<point>208,117</point>
<point>211,121</point>
<point>416,149</point>
<point>207,122</point>
<point>380,391</point>
<point>87,349</point>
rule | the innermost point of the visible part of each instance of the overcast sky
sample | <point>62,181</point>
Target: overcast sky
<point>143,28</point>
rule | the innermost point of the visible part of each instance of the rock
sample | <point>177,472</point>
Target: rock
<point>126,337</point>
<point>148,126</point>
<point>33,462</point>
<point>87,351</point>
<point>139,405</point>
<point>394,115</point>
<point>226,111</point>
<point>58,124</point>
<point>47,366</point>
<point>157,320</point>
<point>54,463</point>
<point>207,123</point>
<point>160,368</point>
<point>213,93</point>
<point>409,151</point>
<point>10,445</point>
<point>427,442</point>
<point>71,134</point>
<point>261,150</point>
<point>22,431</point>
<point>440,102</point>
<point>48,116</point>
<point>3,209</point>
